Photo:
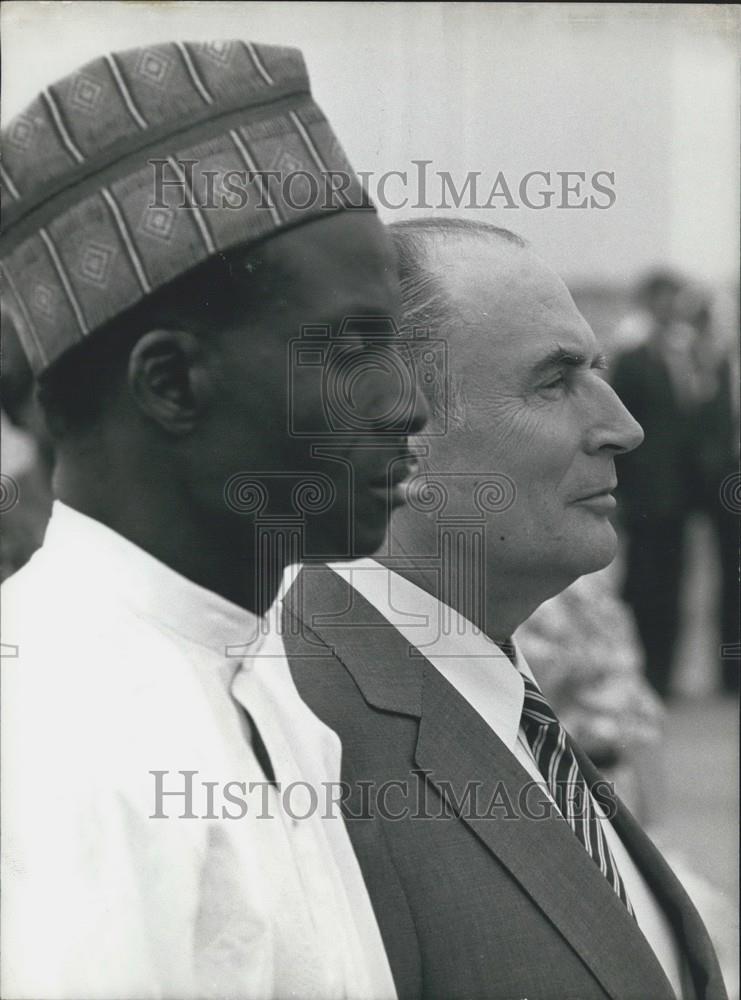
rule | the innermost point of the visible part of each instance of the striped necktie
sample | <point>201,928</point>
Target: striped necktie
<point>556,762</point>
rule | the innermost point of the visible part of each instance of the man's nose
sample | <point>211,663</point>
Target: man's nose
<point>614,427</point>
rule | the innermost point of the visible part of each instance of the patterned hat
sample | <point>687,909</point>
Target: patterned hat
<point>145,163</point>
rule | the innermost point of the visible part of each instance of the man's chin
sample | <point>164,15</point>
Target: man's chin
<point>368,540</point>
<point>341,544</point>
<point>370,525</point>
<point>596,548</point>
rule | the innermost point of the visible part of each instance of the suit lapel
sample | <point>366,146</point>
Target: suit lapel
<point>458,752</point>
<point>686,922</point>
<point>457,747</point>
<point>377,656</point>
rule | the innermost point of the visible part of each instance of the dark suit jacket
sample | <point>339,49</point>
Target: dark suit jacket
<point>504,907</point>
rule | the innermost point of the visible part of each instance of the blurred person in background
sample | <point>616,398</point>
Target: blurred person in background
<point>656,381</point>
<point>653,298</point>
<point>714,457</point>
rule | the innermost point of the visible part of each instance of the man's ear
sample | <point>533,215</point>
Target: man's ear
<point>169,379</point>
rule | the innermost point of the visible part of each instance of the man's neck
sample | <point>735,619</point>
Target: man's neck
<point>211,554</point>
<point>494,605</point>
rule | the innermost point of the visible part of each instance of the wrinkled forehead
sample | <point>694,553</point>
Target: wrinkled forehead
<point>508,301</point>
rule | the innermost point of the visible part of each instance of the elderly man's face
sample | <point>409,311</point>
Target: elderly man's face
<point>538,411</point>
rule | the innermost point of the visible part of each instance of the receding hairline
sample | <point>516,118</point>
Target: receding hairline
<point>428,302</point>
<point>428,257</point>
<point>427,251</point>
<point>452,227</point>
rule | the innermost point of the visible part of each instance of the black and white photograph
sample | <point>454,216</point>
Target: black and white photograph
<point>370,500</point>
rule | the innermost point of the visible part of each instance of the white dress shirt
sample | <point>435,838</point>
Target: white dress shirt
<point>115,667</point>
<point>486,678</point>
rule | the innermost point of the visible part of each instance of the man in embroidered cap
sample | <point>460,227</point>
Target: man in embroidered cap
<point>206,299</point>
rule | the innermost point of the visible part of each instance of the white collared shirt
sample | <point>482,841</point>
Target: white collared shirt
<point>119,674</point>
<point>473,664</point>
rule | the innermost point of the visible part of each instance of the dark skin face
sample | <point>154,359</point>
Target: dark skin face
<point>243,452</point>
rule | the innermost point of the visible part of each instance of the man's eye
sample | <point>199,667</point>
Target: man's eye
<point>555,383</point>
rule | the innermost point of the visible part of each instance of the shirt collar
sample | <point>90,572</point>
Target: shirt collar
<point>464,655</point>
<point>100,557</point>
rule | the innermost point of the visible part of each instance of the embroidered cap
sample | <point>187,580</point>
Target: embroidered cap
<point>143,164</point>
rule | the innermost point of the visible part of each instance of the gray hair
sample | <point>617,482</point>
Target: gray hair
<point>426,304</point>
